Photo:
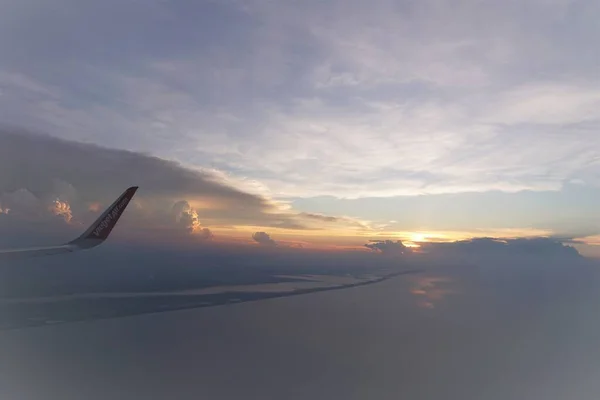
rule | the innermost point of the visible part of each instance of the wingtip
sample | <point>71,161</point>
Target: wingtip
<point>101,228</point>
<point>130,191</point>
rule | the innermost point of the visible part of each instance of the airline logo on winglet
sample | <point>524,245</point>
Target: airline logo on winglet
<point>102,227</point>
<point>113,215</point>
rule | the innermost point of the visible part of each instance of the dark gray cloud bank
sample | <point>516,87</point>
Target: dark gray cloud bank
<point>47,181</point>
<point>47,166</point>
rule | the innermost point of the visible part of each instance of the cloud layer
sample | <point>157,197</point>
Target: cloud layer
<point>376,99</point>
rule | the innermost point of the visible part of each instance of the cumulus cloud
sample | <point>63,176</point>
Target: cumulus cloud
<point>263,238</point>
<point>61,209</point>
<point>185,216</point>
<point>50,208</point>
<point>23,203</point>
<point>388,246</point>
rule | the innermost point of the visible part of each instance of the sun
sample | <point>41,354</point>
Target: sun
<point>418,237</point>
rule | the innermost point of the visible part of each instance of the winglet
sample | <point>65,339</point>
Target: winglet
<point>101,228</point>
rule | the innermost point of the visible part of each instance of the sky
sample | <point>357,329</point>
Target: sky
<point>309,124</point>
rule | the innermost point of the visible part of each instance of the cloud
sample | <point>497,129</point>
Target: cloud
<point>428,98</point>
<point>94,207</point>
<point>548,104</point>
<point>44,175</point>
<point>61,209</point>
<point>205,234</point>
<point>490,248</point>
<point>186,216</point>
<point>76,181</point>
<point>485,251</point>
<point>570,212</point>
<point>388,246</point>
<point>320,217</point>
<point>347,223</point>
<point>263,238</point>
<point>55,200</point>
<point>20,201</point>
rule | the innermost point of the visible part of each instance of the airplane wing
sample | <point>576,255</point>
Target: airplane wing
<point>92,237</point>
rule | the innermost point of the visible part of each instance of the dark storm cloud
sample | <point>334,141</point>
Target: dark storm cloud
<point>40,174</point>
<point>35,161</point>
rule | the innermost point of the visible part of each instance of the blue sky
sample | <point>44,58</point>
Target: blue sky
<point>431,116</point>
